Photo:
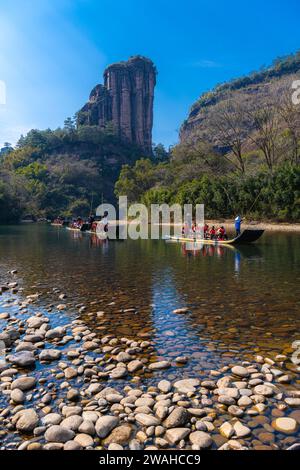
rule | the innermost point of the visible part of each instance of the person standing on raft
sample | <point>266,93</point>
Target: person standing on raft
<point>237,225</point>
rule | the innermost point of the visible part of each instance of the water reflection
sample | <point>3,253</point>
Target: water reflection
<point>240,299</point>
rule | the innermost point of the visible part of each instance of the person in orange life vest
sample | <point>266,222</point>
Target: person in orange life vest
<point>212,233</point>
<point>222,233</point>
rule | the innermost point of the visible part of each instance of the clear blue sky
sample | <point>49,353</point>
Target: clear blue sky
<point>52,52</point>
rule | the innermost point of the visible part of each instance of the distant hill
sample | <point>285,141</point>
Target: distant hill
<point>254,89</point>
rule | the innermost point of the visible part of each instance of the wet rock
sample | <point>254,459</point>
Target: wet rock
<point>240,371</point>
<point>147,420</point>
<point>17,396</point>
<point>159,365</point>
<point>23,383</point>
<point>59,434</point>
<point>36,322</point>
<point>53,446</point>
<point>115,447</point>
<point>50,355</point>
<point>295,446</point>
<point>87,427</point>
<point>55,333</point>
<point>105,425</point>
<point>292,401</point>
<point>145,401</point>
<point>285,425</point>
<point>120,435</point>
<point>177,418</point>
<point>200,440</point>
<point>264,390</point>
<point>245,401</point>
<point>241,430</point>
<point>235,410</point>
<point>135,365</point>
<point>123,357</point>
<point>180,310</point>
<point>186,385</point>
<point>226,430</point>
<point>118,373</point>
<point>51,419</point>
<point>73,394</point>
<point>70,373</point>
<point>164,386</point>
<point>22,359</point>
<point>175,435</point>
<point>72,445</point>
<point>71,410</point>
<point>27,420</point>
<point>84,440</point>
<point>72,422</point>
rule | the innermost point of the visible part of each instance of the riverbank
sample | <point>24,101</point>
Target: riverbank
<point>67,386</point>
<point>229,225</point>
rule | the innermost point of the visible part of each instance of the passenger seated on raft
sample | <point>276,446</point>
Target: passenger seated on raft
<point>221,233</point>
<point>212,233</point>
<point>205,231</point>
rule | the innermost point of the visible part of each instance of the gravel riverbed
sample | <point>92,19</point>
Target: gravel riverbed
<point>64,386</point>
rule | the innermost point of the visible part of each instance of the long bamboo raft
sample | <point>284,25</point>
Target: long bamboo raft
<point>247,236</point>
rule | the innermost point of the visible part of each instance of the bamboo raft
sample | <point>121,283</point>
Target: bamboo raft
<point>247,236</point>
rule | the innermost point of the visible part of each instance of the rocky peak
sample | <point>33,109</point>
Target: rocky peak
<point>126,100</point>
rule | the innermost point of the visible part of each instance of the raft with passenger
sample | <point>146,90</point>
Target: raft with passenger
<point>246,236</point>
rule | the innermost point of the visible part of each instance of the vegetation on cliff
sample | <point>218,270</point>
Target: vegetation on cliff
<point>61,172</point>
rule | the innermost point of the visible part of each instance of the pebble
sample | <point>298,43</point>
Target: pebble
<point>23,383</point>
<point>241,430</point>
<point>200,440</point>
<point>27,420</point>
<point>159,365</point>
<point>177,418</point>
<point>59,434</point>
<point>147,420</point>
<point>175,435</point>
<point>105,424</point>
<point>240,371</point>
<point>285,425</point>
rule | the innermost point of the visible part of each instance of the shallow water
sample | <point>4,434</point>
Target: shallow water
<point>242,301</point>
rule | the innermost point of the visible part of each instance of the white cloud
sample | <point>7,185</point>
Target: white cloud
<point>206,64</point>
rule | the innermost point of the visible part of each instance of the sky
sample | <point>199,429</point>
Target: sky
<point>53,52</point>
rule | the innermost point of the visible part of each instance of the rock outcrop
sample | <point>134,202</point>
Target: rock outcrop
<point>125,100</point>
<point>252,90</point>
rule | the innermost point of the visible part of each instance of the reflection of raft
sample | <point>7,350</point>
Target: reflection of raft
<point>247,236</point>
<point>72,229</point>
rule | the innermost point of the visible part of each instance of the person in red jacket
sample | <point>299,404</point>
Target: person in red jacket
<point>212,233</point>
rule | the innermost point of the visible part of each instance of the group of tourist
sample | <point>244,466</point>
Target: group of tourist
<point>212,233</point>
<point>91,223</point>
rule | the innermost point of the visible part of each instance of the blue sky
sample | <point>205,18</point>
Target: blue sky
<point>52,52</point>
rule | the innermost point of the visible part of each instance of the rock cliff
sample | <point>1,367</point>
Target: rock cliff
<point>125,100</point>
<point>255,89</point>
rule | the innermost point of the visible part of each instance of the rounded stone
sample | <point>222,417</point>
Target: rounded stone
<point>27,421</point>
<point>57,433</point>
<point>200,439</point>
<point>240,371</point>
<point>105,424</point>
<point>85,440</point>
<point>17,396</point>
<point>285,425</point>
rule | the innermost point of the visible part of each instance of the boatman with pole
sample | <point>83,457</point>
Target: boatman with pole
<point>237,225</point>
